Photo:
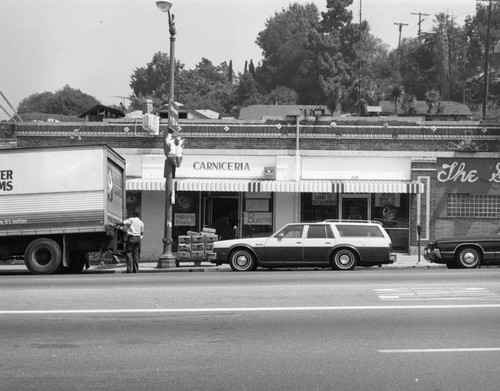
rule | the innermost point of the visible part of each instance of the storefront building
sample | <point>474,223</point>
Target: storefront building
<point>251,196</point>
<point>249,179</point>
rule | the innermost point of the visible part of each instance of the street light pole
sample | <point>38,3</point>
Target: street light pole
<point>167,259</point>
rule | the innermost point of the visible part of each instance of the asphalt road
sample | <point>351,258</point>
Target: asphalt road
<point>370,329</point>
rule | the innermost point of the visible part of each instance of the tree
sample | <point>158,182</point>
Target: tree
<point>281,96</point>
<point>397,94</point>
<point>66,101</point>
<point>431,97</point>
<point>204,87</point>
<point>152,81</point>
<point>284,44</point>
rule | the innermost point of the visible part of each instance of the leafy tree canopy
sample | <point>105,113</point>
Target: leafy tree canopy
<point>66,101</point>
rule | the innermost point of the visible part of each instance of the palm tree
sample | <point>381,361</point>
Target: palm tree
<point>396,94</point>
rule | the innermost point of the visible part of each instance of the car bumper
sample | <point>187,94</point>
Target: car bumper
<point>432,255</point>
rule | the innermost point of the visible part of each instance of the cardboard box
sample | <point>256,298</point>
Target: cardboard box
<point>197,239</point>
<point>209,246</point>
<point>184,239</point>
<point>184,247</point>
<point>210,238</point>
<point>197,254</point>
<point>197,246</point>
<point>183,255</point>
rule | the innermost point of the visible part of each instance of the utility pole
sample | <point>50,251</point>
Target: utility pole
<point>360,56</point>
<point>487,59</point>
<point>420,20</point>
<point>400,29</point>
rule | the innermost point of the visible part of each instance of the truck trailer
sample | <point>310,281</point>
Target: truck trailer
<point>57,204</point>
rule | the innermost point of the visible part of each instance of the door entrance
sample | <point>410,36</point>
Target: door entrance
<point>354,207</point>
<point>221,213</point>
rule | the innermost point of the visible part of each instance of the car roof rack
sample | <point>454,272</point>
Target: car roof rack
<point>352,221</point>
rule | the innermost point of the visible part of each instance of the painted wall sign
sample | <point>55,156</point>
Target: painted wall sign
<point>465,176</point>
<point>475,176</point>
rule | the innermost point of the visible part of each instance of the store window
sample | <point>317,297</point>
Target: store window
<point>133,203</point>
<point>393,211</point>
<point>473,206</point>
<point>185,212</point>
<point>257,214</point>
<point>319,206</point>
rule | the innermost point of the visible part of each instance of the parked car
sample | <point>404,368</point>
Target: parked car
<point>466,252</point>
<point>341,245</point>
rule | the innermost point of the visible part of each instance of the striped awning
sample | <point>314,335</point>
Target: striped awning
<point>143,184</point>
<point>249,185</point>
<point>382,187</point>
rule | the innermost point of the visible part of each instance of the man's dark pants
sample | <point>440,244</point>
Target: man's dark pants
<point>133,254</point>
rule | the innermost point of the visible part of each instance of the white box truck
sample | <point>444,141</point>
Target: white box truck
<point>57,204</point>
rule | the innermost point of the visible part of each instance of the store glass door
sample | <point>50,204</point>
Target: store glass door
<point>354,207</point>
<point>221,213</point>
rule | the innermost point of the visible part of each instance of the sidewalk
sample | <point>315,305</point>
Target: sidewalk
<point>404,261</point>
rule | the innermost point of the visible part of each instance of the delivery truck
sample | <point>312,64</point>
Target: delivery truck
<point>57,204</point>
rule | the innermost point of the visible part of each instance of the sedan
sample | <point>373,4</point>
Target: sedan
<point>340,245</point>
<point>467,252</point>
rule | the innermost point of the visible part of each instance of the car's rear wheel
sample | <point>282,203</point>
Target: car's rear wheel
<point>344,259</point>
<point>468,258</point>
<point>242,260</point>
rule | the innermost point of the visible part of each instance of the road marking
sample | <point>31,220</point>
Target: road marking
<point>448,350</point>
<point>247,309</point>
<point>439,293</point>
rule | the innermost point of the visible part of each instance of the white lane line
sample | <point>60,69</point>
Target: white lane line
<point>448,350</point>
<point>249,309</point>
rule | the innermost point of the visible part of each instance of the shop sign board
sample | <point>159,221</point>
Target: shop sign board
<point>258,218</point>
<point>322,199</point>
<point>225,167</point>
<point>465,176</point>
<point>185,219</point>
<point>356,168</point>
<point>468,175</point>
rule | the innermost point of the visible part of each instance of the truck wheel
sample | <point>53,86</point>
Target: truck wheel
<point>43,256</point>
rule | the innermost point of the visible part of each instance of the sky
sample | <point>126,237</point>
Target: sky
<point>95,45</point>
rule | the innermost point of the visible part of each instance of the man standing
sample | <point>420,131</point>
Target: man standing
<point>134,228</point>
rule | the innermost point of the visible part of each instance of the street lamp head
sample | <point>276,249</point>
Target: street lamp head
<point>164,6</point>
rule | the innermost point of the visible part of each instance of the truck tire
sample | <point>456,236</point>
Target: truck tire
<point>43,256</point>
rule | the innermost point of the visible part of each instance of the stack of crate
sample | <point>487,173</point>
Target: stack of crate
<point>193,246</point>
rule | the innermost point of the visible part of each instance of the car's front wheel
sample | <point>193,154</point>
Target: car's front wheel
<point>468,258</point>
<point>344,259</point>
<point>242,260</point>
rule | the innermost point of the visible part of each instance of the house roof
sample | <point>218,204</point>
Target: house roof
<point>258,112</point>
<point>98,108</point>
<point>192,114</point>
<point>421,108</point>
